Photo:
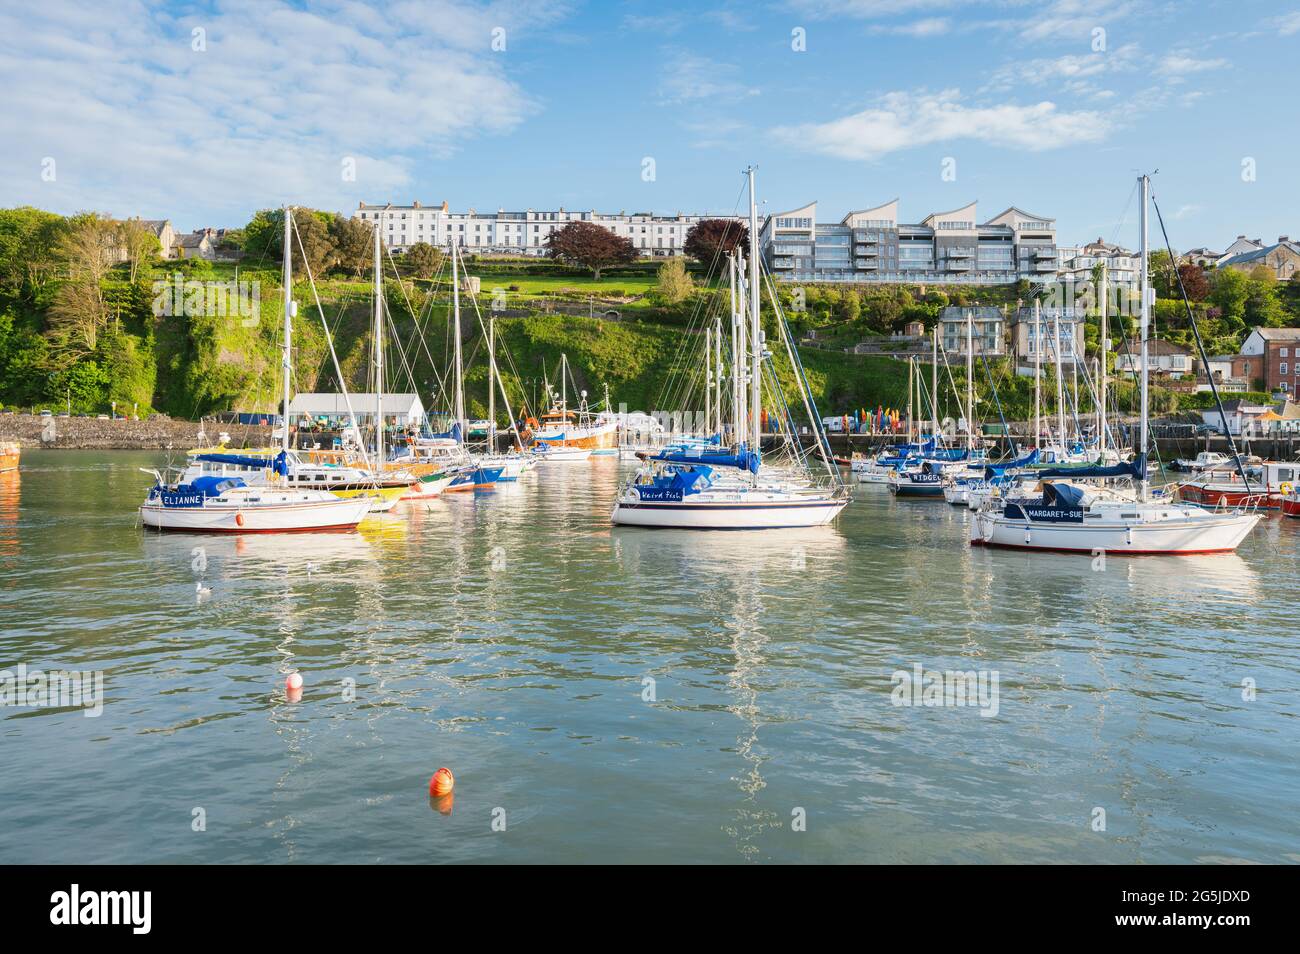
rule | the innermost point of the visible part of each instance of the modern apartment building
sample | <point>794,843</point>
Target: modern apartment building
<point>520,233</point>
<point>944,248</point>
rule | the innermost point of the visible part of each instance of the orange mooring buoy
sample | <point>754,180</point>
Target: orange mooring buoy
<point>442,783</point>
<point>294,682</point>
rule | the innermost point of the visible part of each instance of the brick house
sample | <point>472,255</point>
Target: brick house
<point>1281,258</point>
<point>1273,352</point>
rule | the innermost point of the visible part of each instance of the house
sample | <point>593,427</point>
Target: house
<point>1163,357</point>
<point>1033,343</point>
<point>1201,257</point>
<point>1281,258</point>
<point>1075,263</point>
<point>162,228</point>
<point>1240,246</point>
<point>984,324</point>
<point>331,408</point>
<point>198,244</point>
<point>1241,416</point>
<point>1224,370</point>
<point>1275,350</point>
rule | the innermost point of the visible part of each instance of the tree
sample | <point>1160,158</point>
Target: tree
<point>1194,281</point>
<point>138,244</point>
<point>588,245</point>
<point>264,239</point>
<point>87,248</point>
<point>423,260</point>
<point>674,284</point>
<point>1162,274</point>
<point>28,257</point>
<point>710,239</point>
<point>353,244</point>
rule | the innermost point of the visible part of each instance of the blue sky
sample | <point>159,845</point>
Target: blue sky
<point>203,112</point>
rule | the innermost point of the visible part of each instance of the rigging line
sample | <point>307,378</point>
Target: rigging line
<point>411,309</point>
<point>329,340</point>
<point>1200,346</point>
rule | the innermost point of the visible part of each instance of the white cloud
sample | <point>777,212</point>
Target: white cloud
<point>1069,19</point>
<point>931,26</point>
<point>1181,63</point>
<point>866,9</point>
<point>138,122</point>
<point>689,77</point>
<point>1072,69</point>
<point>1288,24</point>
<point>903,120</point>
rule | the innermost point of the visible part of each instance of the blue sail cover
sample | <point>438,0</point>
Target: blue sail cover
<point>454,433</point>
<point>672,487</point>
<point>998,470</point>
<point>1136,468</point>
<point>196,491</point>
<point>236,460</point>
<point>741,458</point>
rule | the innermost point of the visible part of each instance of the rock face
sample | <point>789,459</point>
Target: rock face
<point>155,433</point>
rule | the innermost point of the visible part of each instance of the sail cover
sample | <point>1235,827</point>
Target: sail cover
<point>1135,468</point>
<point>741,457</point>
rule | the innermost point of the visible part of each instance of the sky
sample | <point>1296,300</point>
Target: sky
<point>204,112</point>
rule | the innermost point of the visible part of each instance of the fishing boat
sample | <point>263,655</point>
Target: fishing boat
<point>1079,518</point>
<point>1291,503</point>
<point>216,504</point>
<point>567,428</point>
<point>9,453</point>
<point>1205,460</point>
<point>706,486</point>
<point>1262,485</point>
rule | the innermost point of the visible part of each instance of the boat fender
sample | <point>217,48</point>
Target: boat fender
<point>239,519</point>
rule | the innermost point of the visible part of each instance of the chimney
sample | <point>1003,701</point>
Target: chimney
<point>1283,238</point>
<point>1257,241</point>
<point>444,205</point>
<point>1240,237</point>
<point>415,203</point>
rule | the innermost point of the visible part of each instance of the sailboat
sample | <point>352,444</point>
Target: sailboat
<point>1079,518</point>
<point>215,504</point>
<point>564,433</point>
<point>706,486</point>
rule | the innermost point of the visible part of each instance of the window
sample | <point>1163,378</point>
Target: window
<point>1282,368</point>
<point>1283,353</point>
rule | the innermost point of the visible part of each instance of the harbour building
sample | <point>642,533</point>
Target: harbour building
<point>944,248</point>
<point>521,233</point>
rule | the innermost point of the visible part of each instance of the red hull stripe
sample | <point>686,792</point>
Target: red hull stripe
<point>1109,553</point>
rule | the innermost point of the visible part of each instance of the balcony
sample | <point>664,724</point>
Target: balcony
<point>1041,253</point>
<point>867,253</point>
<point>781,266</point>
<point>959,253</point>
<point>957,265</point>
<point>1045,266</point>
<point>867,265</point>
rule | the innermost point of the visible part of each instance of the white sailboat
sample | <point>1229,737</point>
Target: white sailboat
<point>716,488</point>
<point>216,504</point>
<point>1079,518</point>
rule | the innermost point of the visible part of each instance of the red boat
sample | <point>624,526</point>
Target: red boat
<point>1269,482</point>
<point>1291,504</point>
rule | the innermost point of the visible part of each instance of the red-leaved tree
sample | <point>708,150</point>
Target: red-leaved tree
<point>710,239</point>
<point>588,245</point>
<point>1194,280</point>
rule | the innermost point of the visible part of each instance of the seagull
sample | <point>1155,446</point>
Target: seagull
<point>310,567</point>
<point>201,591</point>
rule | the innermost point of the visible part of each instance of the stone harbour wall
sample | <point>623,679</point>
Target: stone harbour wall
<point>155,433</point>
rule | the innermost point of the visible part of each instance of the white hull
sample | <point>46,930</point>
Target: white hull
<point>1211,533</point>
<point>273,513</point>
<point>563,455</point>
<point>743,513</point>
<point>427,489</point>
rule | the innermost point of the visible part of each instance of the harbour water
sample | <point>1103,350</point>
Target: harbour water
<point>633,696</point>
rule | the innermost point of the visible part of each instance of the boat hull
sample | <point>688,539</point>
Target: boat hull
<point>1172,538</point>
<point>727,516</point>
<point>1291,505</point>
<point>336,514</point>
<point>1208,495</point>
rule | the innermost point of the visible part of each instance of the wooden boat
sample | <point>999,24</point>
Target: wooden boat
<point>1265,485</point>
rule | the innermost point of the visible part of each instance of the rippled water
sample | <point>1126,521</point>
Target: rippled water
<point>511,635</point>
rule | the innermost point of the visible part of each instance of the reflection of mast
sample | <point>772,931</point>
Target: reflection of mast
<point>747,644</point>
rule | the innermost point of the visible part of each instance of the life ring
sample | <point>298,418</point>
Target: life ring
<point>239,519</point>
<point>1286,489</point>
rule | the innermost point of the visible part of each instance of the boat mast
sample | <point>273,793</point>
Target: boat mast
<point>911,386</point>
<point>1038,376</point>
<point>742,357</point>
<point>717,379</point>
<point>735,342</point>
<point>755,327</point>
<point>492,373</point>
<point>970,380</point>
<point>459,408</point>
<point>1060,378</point>
<point>1105,346</point>
<point>708,379</point>
<point>1143,325</point>
<point>379,354</point>
<point>286,360</point>
<point>564,388</point>
<point>934,387</point>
